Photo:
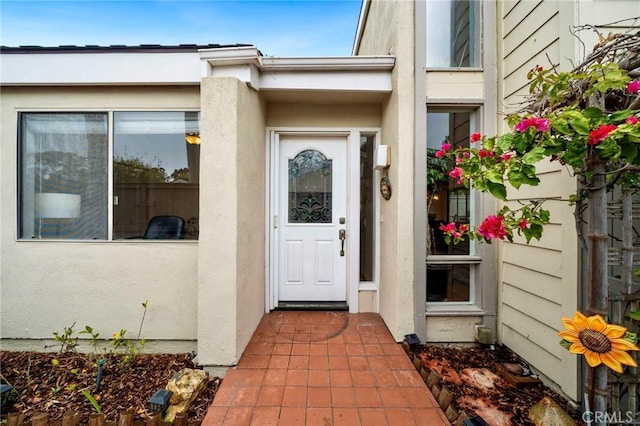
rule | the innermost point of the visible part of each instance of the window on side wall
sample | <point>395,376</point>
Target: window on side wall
<point>64,176</point>
<point>453,34</point>
<point>450,268</point>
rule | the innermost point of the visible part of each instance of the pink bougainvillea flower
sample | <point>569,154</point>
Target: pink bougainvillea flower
<point>523,223</point>
<point>457,173</point>
<point>633,86</point>
<point>476,137</point>
<point>450,228</point>
<point>601,133</point>
<point>445,147</point>
<point>463,228</point>
<point>440,154</point>
<point>493,227</point>
<point>633,120</point>
<point>540,124</point>
<point>459,160</point>
<point>484,153</point>
<point>506,156</point>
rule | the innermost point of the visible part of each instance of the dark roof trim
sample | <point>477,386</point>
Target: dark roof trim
<point>117,48</point>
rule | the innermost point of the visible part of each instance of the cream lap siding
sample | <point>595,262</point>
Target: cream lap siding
<point>530,37</point>
<point>539,280</point>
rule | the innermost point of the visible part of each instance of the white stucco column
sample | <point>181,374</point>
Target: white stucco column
<point>231,247</point>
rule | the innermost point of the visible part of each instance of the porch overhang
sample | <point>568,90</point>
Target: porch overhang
<point>330,79</point>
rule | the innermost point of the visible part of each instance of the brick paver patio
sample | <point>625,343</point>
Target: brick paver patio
<point>323,368</point>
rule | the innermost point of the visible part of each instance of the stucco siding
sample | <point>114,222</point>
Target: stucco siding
<point>389,29</point>
<point>231,280</point>
<point>48,285</point>
<point>320,115</point>
<point>251,163</point>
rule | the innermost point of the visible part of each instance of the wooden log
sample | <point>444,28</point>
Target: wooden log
<point>69,418</point>
<point>154,420</point>
<point>40,419</point>
<point>444,400</point>
<point>451,414</point>
<point>424,372</point>
<point>417,362</point>
<point>181,420</point>
<point>126,418</point>
<point>432,379</point>
<point>15,419</point>
<point>96,419</point>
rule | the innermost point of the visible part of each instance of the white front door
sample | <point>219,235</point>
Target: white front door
<point>312,224</point>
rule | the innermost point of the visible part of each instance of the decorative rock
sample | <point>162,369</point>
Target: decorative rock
<point>186,384</point>
<point>547,412</point>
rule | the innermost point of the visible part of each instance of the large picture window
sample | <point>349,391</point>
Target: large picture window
<point>156,170</point>
<point>449,267</point>
<point>65,175</point>
<point>453,34</point>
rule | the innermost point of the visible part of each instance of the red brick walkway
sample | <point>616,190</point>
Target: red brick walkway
<point>323,368</point>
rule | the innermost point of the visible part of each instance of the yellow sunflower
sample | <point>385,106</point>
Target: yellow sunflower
<point>598,341</point>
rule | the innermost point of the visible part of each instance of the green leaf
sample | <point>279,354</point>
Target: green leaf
<point>533,231</point>
<point>498,190</point>
<point>578,122</point>
<point>505,142</point>
<point>609,149</point>
<point>595,114</point>
<point>620,115</point>
<point>562,126</point>
<point>629,152</point>
<point>494,175</point>
<point>92,400</point>
<point>533,156</point>
<point>635,315</point>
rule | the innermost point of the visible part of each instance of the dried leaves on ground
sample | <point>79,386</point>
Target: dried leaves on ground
<point>52,383</point>
<point>493,399</point>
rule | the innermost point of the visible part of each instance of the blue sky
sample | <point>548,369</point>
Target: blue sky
<point>277,28</point>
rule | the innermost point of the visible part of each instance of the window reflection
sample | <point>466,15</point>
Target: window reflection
<point>156,169</point>
<point>447,201</point>
<point>452,33</point>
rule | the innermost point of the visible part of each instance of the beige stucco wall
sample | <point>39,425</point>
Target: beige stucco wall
<point>231,278</point>
<point>389,29</point>
<point>45,286</point>
<point>323,115</point>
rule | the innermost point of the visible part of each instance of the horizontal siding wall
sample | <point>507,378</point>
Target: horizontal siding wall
<point>530,37</point>
<point>538,281</point>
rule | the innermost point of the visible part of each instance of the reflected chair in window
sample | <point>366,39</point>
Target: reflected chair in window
<point>165,228</point>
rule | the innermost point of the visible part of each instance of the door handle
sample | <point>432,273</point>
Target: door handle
<point>342,234</point>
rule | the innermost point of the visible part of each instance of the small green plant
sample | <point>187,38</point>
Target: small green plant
<point>92,400</point>
<point>130,348</point>
<point>94,337</point>
<point>66,340</point>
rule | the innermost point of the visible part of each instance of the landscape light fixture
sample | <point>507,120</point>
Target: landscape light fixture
<point>413,341</point>
<point>159,402</point>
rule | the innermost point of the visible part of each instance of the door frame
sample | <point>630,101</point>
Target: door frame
<point>352,137</point>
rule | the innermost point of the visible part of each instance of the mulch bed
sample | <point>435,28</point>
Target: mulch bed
<point>498,400</point>
<point>44,385</point>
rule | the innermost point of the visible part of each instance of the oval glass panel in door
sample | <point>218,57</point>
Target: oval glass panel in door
<point>310,188</point>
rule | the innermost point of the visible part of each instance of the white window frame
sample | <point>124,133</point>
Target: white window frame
<point>110,191</point>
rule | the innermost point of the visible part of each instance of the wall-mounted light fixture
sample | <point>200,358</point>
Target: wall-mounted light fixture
<point>192,138</point>
<point>382,157</point>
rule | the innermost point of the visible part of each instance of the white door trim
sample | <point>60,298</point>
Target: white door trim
<point>353,208</point>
